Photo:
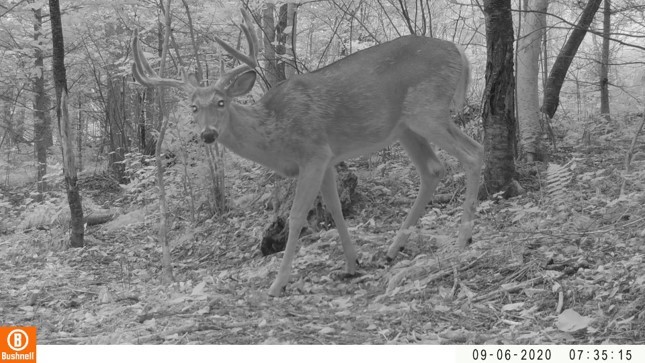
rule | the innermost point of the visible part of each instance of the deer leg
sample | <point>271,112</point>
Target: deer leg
<point>332,201</point>
<point>470,154</point>
<point>307,187</point>
<point>430,171</point>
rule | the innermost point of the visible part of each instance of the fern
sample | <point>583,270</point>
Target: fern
<point>41,215</point>
<point>557,178</point>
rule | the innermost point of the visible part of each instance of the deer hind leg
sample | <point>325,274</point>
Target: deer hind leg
<point>430,171</point>
<point>332,201</point>
<point>307,187</point>
<point>449,137</point>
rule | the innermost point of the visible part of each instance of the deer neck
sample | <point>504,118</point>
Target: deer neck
<point>249,134</point>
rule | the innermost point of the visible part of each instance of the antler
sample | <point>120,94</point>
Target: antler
<point>145,75</point>
<point>249,61</point>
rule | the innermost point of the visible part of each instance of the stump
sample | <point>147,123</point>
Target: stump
<point>275,236</point>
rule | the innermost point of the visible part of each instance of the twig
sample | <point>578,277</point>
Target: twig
<point>508,289</point>
<point>558,309</point>
<point>63,340</point>
<point>395,281</point>
<point>456,281</point>
<point>83,291</point>
<point>470,265</point>
<point>633,222</point>
<point>628,157</point>
<point>180,330</point>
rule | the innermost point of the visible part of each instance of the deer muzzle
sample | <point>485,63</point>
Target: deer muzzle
<point>209,136</point>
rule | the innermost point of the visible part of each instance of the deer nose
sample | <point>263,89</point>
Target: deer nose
<point>209,136</point>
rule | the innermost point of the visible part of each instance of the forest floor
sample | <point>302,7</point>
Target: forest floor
<point>564,264</point>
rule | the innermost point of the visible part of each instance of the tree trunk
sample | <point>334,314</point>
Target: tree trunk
<point>160,92</point>
<point>167,271</point>
<point>289,33</point>
<point>497,114</point>
<point>199,73</point>
<point>115,128</point>
<point>79,136</point>
<point>41,126</point>
<point>280,48</point>
<point>562,63</point>
<point>147,121</point>
<point>14,120</point>
<point>285,35</point>
<point>604,62</point>
<point>270,61</point>
<point>7,128</point>
<point>533,22</point>
<point>217,200</point>
<point>64,127</point>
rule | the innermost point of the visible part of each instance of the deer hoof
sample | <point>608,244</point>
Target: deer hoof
<point>277,291</point>
<point>390,259</point>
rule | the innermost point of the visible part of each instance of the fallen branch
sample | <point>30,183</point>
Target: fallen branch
<point>99,218</point>
<point>417,270</point>
<point>508,289</point>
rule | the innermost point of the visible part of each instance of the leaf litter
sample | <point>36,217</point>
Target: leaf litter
<point>538,272</point>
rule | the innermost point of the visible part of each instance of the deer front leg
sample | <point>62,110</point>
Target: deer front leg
<point>307,187</point>
<point>332,201</point>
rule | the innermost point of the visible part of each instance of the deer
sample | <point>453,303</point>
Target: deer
<point>402,90</point>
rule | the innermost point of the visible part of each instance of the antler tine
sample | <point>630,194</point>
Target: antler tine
<point>251,37</point>
<point>251,59</point>
<point>145,75</point>
<point>139,59</point>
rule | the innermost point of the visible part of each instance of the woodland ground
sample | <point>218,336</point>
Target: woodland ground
<point>561,266</point>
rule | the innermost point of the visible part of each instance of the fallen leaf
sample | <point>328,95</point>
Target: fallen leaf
<point>570,321</point>
<point>513,307</point>
<point>199,289</point>
<point>327,330</point>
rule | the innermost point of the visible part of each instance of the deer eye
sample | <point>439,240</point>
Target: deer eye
<point>220,103</point>
<point>194,108</point>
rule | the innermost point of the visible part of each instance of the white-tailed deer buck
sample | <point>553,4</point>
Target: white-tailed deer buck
<point>400,90</point>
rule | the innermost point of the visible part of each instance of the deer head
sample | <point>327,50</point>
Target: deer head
<point>211,104</point>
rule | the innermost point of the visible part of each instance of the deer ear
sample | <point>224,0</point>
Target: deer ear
<point>192,79</point>
<point>189,78</point>
<point>242,84</point>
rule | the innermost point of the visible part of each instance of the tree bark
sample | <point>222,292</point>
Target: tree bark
<point>289,35</point>
<point>533,22</point>
<point>285,41</point>
<point>167,271</point>
<point>604,62</point>
<point>497,114</point>
<point>564,59</point>
<point>64,127</point>
<point>280,44</point>
<point>79,136</point>
<point>41,125</point>
<point>198,69</point>
<point>115,127</point>
<point>270,61</point>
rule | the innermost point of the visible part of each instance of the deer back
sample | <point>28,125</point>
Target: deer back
<point>358,103</point>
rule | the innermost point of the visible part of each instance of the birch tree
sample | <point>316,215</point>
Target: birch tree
<point>533,24</point>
